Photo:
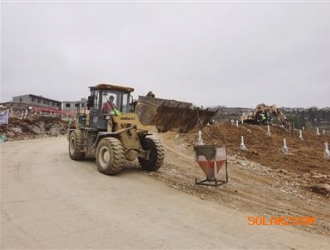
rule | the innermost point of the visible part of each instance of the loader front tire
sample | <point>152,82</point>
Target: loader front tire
<point>110,156</point>
<point>157,154</point>
<point>76,145</point>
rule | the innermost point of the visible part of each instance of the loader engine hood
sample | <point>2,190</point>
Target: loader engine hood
<point>171,114</point>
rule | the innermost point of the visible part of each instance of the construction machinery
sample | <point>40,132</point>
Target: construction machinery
<point>122,135</point>
<point>267,112</point>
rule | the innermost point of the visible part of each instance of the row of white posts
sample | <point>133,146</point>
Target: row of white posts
<point>317,133</point>
<point>285,148</point>
<point>24,114</point>
<point>269,134</point>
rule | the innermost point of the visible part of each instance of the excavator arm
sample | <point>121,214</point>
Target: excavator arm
<point>281,117</point>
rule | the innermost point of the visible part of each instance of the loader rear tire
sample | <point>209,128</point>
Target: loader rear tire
<point>76,145</point>
<point>110,156</point>
<point>157,154</point>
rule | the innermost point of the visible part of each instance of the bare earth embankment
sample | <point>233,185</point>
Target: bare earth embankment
<point>262,180</point>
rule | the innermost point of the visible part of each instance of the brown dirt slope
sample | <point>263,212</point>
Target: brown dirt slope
<point>305,157</point>
<point>262,180</point>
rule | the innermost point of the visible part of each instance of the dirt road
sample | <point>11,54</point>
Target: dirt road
<point>49,201</point>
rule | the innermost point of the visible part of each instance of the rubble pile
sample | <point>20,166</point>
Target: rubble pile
<point>33,127</point>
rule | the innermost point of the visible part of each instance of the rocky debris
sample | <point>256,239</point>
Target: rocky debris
<point>321,189</point>
<point>33,127</point>
<point>17,130</point>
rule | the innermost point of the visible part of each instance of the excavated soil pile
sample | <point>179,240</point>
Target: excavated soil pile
<point>262,180</point>
<point>33,127</point>
<point>305,157</point>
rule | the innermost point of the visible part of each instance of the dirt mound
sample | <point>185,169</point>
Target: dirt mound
<point>262,180</point>
<point>305,157</point>
<point>33,127</point>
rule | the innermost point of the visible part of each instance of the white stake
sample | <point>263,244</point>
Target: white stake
<point>323,131</point>
<point>242,121</point>
<point>200,140</point>
<point>285,149</point>
<point>326,151</point>
<point>242,145</point>
<point>26,113</point>
<point>303,128</point>
<point>268,131</point>
<point>236,123</point>
<point>317,131</point>
<point>300,135</point>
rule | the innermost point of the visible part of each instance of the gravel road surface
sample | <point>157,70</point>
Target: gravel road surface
<point>49,201</point>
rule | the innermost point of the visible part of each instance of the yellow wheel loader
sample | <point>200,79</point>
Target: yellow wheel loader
<point>115,128</point>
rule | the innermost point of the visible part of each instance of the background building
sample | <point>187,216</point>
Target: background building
<point>72,106</point>
<point>37,101</point>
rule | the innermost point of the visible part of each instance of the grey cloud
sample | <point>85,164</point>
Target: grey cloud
<point>233,54</point>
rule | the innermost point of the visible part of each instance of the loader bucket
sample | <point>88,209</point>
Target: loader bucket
<point>171,115</point>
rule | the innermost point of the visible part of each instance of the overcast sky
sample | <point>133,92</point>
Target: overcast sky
<point>208,53</point>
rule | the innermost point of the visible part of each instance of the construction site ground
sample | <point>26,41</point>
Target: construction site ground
<point>41,189</point>
<point>262,180</point>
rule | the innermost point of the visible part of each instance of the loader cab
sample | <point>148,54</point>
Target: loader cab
<point>106,101</point>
